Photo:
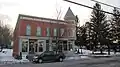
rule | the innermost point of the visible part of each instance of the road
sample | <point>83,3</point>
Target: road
<point>94,62</point>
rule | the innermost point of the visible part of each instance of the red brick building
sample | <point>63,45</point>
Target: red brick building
<point>39,34</point>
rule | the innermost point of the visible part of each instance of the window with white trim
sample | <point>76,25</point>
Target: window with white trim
<point>55,31</point>
<point>38,33</point>
<point>48,32</point>
<point>61,31</point>
<point>24,46</point>
<point>28,30</point>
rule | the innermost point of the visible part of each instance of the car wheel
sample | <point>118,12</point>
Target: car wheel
<point>40,60</point>
<point>61,59</point>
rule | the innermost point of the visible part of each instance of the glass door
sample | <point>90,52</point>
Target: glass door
<point>40,46</point>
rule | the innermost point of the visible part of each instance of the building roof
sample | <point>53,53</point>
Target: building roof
<point>69,15</point>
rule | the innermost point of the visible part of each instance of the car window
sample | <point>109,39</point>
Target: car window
<point>49,53</point>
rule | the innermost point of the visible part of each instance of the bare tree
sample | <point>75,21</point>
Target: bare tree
<point>5,33</point>
<point>58,17</point>
<point>58,11</point>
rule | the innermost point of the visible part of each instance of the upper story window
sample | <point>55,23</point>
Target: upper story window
<point>48,32</point>
<point>73,32</point>
<point>28,30</point>
<point>55,31</point>
<point>61,31</point>
<point>38,32</point>
<point>69,32</point>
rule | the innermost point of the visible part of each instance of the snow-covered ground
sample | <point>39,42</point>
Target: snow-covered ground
<point>88,52</point>
<point>84,51</point>
<point>6,52</point>
<point>6,57</point>
<point>72,55</point>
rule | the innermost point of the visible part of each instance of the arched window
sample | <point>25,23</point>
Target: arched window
<point>61,31</point>
<point>48,32</point>
<point>38,33</point>
<point>28,30</point>
<point>55,31</point>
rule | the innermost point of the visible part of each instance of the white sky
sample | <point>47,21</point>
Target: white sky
<point>47,8</point>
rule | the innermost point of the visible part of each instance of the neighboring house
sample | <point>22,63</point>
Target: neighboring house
<point>39,34</point>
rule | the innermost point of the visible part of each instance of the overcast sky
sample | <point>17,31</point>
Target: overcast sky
<point>47,8</point>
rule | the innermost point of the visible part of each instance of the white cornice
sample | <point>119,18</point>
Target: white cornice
<point>44,20</point>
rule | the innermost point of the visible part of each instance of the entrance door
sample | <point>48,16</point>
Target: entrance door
<point>40,46</point>
<point>32,45</point>
<point>60,46</point>
<point>70,45</point>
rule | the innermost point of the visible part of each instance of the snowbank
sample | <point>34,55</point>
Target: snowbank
<point>6,52</point>
<point>84,51</point>
<point>6,57</point>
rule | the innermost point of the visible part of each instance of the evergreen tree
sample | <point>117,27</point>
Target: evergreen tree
<point>99,28</point>
<point>115,28</point>
<point>77,31</point>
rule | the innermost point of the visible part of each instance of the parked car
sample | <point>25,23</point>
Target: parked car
<point>30,56</point>
<point>48,56</point>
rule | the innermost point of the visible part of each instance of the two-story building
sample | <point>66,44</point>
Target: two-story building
<point>40,34</point>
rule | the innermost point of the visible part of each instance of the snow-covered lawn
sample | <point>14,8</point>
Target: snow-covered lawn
<point>88,53</point>
<point>6,57</point>
<point>84,52</point>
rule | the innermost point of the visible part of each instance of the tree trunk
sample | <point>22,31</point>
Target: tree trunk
<point>93,52</point>
<point>108,50</point>
<point>101,51</point>
<point>81,50</point>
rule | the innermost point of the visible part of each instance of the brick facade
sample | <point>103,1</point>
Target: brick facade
<point>43,23</point>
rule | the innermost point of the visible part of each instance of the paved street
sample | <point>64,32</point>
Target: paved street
<point>95,62</point>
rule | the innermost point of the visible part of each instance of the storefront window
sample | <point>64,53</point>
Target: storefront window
<point>24,46</point>
<point>60,47</point>
<point>70,45</point>
<point>47,45</point>
<point>65,47</point>
<point>40,46</point>
<point>54,47</point>
<point>36,46</point>
<point>31,47</point>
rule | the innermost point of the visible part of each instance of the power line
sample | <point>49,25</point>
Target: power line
<point>90,7</point>
<point>105,4</point>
